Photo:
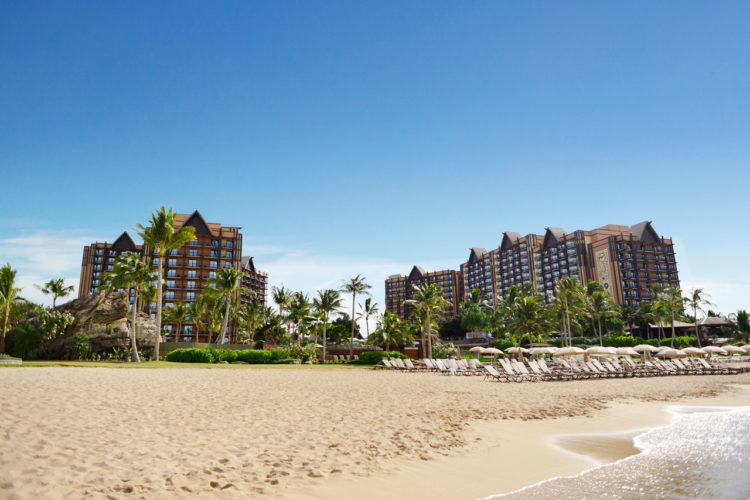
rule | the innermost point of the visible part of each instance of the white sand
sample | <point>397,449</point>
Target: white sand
<point>99,432</point>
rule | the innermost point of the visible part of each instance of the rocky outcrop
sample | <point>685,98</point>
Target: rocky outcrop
<point>103,317</point>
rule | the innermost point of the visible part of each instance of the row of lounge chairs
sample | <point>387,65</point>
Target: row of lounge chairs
<point>511,370</point>
<point>343,358</point>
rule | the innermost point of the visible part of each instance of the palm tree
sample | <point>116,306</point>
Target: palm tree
<point>56,288</point>
<point>527,315</point>
<point>226,283</point>
<point>355,285</point>
<point>600,306</point>
<point>391,332</point>
<point>696,300</point>
<point>161,237</point>
<point>370,309</point>
<point>196,310</point>
<point>742,322</point>
<point>8,294</point>
<point>300,312</point>
<point>130,271</point>
<point>672,302</point>
<point>326,303</point>
<point>427,300</point>
<point>252,315</point>
<point>177,313</point>
<point>282,296</point>
<point>569,292</point>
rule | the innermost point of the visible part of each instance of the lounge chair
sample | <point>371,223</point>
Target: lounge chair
<point>583,369</point>
<point>490,372</point>
<point>442,368</point>
<point>558,374</point>
<point>638,369</point>
<point>414,368</point>
<point>398,363</point>
<point>611,369</point>
<point>537,371</point>
<point>509,372</point>
<point>384,363</point>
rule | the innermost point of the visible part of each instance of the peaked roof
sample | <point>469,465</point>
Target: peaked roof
<point>552,236</point>
<point>198,222</point>
<point>509,239</point>
<point>475,254</point>
<point>125,242</point>
<point>247,264</point>
<point>417,273</point>
<point>644,231</point>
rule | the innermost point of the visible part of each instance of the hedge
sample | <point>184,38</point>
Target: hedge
<point>213,355</point>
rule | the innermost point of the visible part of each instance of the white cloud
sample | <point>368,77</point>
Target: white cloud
<point>41,256</point>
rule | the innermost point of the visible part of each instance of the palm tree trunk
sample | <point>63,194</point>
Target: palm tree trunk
<point>367,325</point>
<point>697,332</point>
<point>159,281</point>
<point>5,327</point>
<point>54,299</point>
<point>134,339</point>
<point>325,321</point>
<point>673,329</point>
<point>351,339</point>
<point>179,331</point>
<point>225,323</point>
<point>429,335</point>
<point>601,335</point>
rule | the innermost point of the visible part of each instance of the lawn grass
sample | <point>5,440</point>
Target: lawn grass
<point>169,364</point>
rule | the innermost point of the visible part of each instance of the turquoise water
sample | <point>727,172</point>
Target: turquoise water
<point>703,453</point>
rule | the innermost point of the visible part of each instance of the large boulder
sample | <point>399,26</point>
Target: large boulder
<point>105,319</point>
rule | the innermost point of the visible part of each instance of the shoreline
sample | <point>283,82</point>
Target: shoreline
<point>507,455</point>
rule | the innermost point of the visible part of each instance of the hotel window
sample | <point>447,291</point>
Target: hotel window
<point>190,296</point>
<point>193,263</point>
<point>172,251</point>
<point>193,252</point>
<point>214,253</point>
<point>172,262</point>
<point>213,263</point>
<point>97,259</point>
<point>170,283</point>
<point>191,273</point>
<point>193,242</point>
<point>171,273</point>
<point>98,267</point>
<point>98,251</point>
<point>214,243</point>
<point>155,261</point>
<point>228,255</point>
<point>110,268</point>
<point>191,284</point>
<point>212,274</point>
<point>169,295</point>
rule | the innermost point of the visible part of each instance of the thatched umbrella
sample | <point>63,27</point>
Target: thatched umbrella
<point>689,351</point>
<point>746,348</point>
<point>733,349</point>
<point>669,353</point>
<point>626,351</point>
<point>568,351</point>
<point>712,349</point>
<point>491,350</point>
<point>645,350</point>
<point>517,350</point>
<point>542,350</point>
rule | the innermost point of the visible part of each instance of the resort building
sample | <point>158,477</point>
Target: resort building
<point>626,260</point>
<point>186,270</point>
<point>400,288</point>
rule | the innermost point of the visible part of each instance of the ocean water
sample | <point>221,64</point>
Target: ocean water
<point>702,453</point>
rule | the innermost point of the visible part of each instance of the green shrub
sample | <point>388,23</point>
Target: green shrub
<point>191,356</point>
<point>53,324</point>
<point>304,352</point>
<point>443,351</point>
<point>503,344</point>
<point>374,357</point>
<point>7,356</point>
<point>81,348</point>
<point>255,356</point>
<point>681,341</point>
<point>23,341</point>
<point>653,342</point>
<point>223,354</point>
<point>622,341</point>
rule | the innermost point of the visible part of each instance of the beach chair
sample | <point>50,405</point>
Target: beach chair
<point>398,363</point>
<point>558,374</point>
<point>582,369</point>
<point>430,365</point>
<point>412,367</point>
<point>537,371</point>
<point>509,372</point>
<point>637,369</point>
<point>384,363</point>
<point>685,366</point>
<point>475,367</point>
<point>723,370</point>
<point>606,365</point>
<point>491,373</point>
<point>593,368</point>
<point>441,367</point>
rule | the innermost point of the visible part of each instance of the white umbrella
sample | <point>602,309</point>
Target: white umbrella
<point>712,349</point>
<point>542,350</point>
<point>669,353</point>
<point>477,349</point>
<point>627,351</point>
<point>645,348</point>
<point>514,350</point>
<point>693,350</point>
<point>733,349</point>
<point>568,351</point>
<point>491,350</point>
<point>600,350</point>
<point>746,348</point>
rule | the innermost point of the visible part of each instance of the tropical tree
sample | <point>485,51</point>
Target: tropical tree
<point>300,312</point>
<point>326,303</point>
<point>252,315</point>
<point>428,302</point>
<point>9,293</point>
<point>355,285</point>
<point>56,288</point>
<point>742,323</point>
<point>370,309</point>
<point>527,315</point>
<point>696,300</point>
<point>598,306</point>
<point>225,283</point>
<point>130,271</point>
<point>672,303</point>
<point>391,331</point>
<point>162,236</point>
<point>569,294</point>
<point>177,313</point>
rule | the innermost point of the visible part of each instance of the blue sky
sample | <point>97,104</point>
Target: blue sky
<point>344,136</point>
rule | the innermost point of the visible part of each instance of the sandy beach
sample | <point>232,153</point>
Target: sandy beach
<point>321,433</point>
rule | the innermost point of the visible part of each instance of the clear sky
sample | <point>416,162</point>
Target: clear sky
<point>345,137</point>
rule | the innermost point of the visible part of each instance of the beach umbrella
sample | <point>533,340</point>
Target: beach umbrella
<point>542,350</point>
<point>645,348</point>
<point>746,348</point>
<point>669,353</point>
<point>517,350</point>
<point>712,349</point>
<point>491,350</point>
<point>568,351</point>
<point>477,349</point>
<point>597,349</point>
<point>693,350</point>
<point>733,349</point>
<point>626,351</point>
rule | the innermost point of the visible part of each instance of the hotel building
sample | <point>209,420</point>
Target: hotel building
<point>399,288</point>
<point>186,270</point>
<point>625,260</point>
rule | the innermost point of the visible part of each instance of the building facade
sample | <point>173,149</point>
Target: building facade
<point>186,270</point>
<point>254,282</point>
<point>626,260</point>
<point>400,288</point>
